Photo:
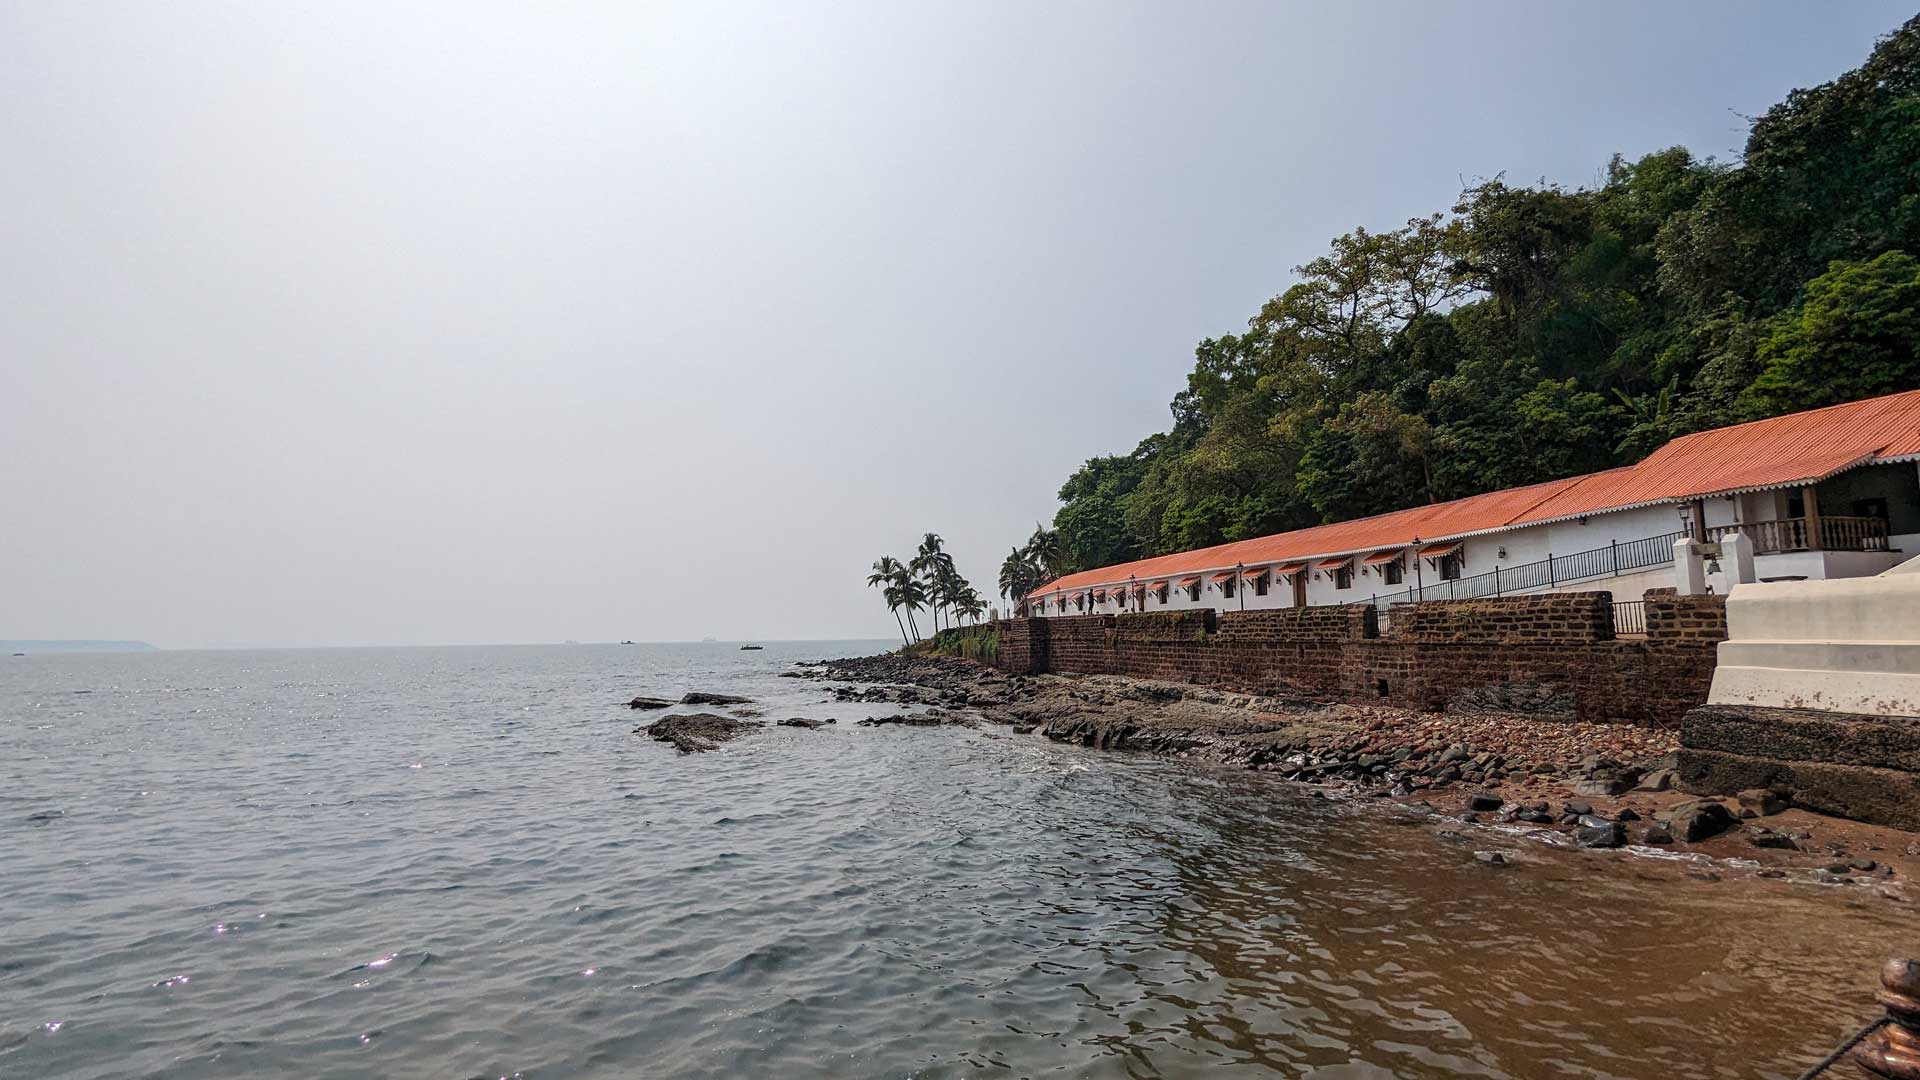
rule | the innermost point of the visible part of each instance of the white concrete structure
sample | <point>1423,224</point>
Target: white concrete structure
<point>1849,646</point>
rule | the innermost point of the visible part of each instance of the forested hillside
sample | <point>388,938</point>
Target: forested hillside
<point>1534,332</point>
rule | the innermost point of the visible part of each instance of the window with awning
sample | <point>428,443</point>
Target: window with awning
<point>1447,557</point>
<point>1292,569</point>
<point>1192,586</point>
<point>1340,569</point>
<point>1388,563</point>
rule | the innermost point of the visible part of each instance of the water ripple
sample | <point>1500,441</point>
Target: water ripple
<point>434,862</point>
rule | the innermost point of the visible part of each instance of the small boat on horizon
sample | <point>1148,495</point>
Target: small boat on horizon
<point>747,648</point>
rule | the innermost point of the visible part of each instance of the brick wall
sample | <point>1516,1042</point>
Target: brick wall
<point>1551,617</point>
<point>1346,622</point>
<point>1672,618</point>
<point>1023,646</point>
<point>1432,653</point>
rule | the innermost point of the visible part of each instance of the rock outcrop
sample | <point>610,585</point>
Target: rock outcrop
<point>697,732</point>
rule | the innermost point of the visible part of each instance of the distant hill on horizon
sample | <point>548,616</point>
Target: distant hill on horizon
<point>75,645</point>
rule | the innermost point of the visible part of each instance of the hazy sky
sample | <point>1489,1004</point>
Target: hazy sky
<point>364,323</point>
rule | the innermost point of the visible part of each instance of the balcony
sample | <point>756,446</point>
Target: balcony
<point>1797,534</point>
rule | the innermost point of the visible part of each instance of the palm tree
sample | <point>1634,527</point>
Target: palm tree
<point>1046,552</point>
<point>1018,577</point>
<point>913,597</point>
<point>970,605</point>
<point>949,589</point>
<point>886,571</point>
<point>929,563</point>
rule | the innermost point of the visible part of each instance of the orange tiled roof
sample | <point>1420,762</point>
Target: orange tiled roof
<point>1800,448</point>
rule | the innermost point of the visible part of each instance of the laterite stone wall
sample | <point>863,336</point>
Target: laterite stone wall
<point>1431,654</point>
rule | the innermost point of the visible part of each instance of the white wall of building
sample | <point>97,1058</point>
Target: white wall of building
<point>1531,544</point>
<point>1480,555</point>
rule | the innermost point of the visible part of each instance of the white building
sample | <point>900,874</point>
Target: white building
<point>1829,493</point>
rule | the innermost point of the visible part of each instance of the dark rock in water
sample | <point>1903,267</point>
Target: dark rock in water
<point>1591,821</point>
<point>1491,858</point>
<point>1698,820</point>
<point>803,722</point>
<point>1628,814</point>
<point>696,732</point>
<point>1865,865</point>
<point>1657,835</point>
<point>1767,838</point>
<point>703,697</point>
<point>650,703</point>
<point>1609,834</point>
<point>1483,801</point>
<point>45,816</point>
<point>930,718</point>
<point>1576,808</point>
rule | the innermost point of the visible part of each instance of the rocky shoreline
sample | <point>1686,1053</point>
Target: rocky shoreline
<point>1572,784</point>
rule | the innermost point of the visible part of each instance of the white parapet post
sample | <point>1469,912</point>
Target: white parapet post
<point>1849,645</point>
<point>1736,555</point>
<point>1689,571</point>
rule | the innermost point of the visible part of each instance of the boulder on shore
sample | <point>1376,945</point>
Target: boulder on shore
<point>697,732</point>
<point>1698,820</point>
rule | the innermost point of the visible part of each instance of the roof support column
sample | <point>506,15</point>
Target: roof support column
<point>1700,521</point>
<point>1812,500</point>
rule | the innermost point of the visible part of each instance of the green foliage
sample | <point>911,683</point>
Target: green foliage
<point>1537,332</point>
<point>981,643</point>
<point>1856,335</point>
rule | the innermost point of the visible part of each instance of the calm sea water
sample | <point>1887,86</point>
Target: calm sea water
<point>460,862</point>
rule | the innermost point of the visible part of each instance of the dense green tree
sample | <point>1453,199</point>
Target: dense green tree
<point>1856,335</point>
<point>1537,331</point>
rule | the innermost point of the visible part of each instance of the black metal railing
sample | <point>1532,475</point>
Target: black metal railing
<point>1629,618</point>
<point>1548,573</point>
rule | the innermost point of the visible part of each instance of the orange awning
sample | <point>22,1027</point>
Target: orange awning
<point>1445,547</point>
<point>1099,595</point>
<point>1334,563</point>
<point>1188,583</point>
<point>1259,572</point>
<point>1221,578</point>
<point>1379,557</point>
<point>1291,569</point>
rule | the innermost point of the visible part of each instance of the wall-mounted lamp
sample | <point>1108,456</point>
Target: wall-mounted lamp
<point>1503,551</point>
